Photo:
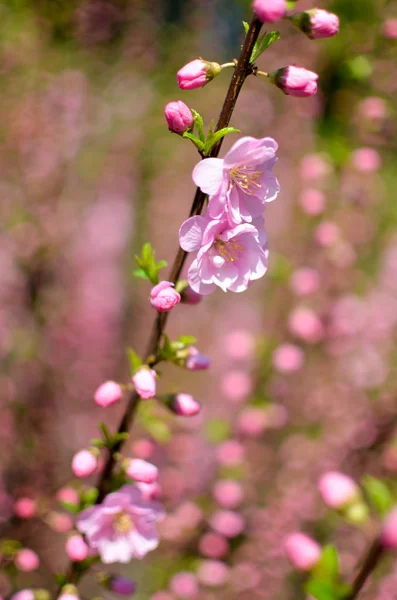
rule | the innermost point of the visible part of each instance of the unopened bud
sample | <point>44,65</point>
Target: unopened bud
<point>316,23</point>
<point>179,117</point>
<point>182,404</point>
<point>84,463</point>
<point>295,81</point>
<point>197,73</point>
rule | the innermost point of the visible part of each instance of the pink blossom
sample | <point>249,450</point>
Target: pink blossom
<point>195,361</point>
<point>227,523</point>
<point>237,385</point>
<point>108,393</point>
<point>270,11</point>
<point>25,508</point>
<point>143,448</point>
<point>197,73</point>
<point>150,491</point>
<point>60,522</point>
<point>122,527</point>
<point>240,345</point>
<point>84,463</point>
<point>184,585</point>
<point>76,548</point>
<point>141,470</point>
<point>227,257</point>
<point>122,585</point>
<point>241,183</point>
<point>68,596</point>
<point>295,81</point>
<point>213,545</point>
<point>252,422</point>
<point>230,453</point>
<point>184,405</point>
<point>69,495</point>
<point>305,281</point>
<point>337,489</point>
<point>389,29</point>
<point>162,596</point>
<point>318,23</point>
<point>305,325</point>
<point>163,297</point>
<point>288,358</point>
<point>366,160</point>
<point>389,530</point>
<point>327,234</point>
<point>314,167</point>
<point>144,381</point>
<point>23,595</point>
<point>228,493</point>
<point>178,116</point>
<point>303,552</point>
<point>373,108</point>
<point>213,573</point>
<point>26,560</point>
<point>312,202</point>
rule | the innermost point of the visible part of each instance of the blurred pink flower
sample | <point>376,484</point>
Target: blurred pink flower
<point>242,182</point>
<point>25,508</point>
<point>227,523</point>
<point>303,552</point>
<point>305,325</point>
<point>122,527</point>
<point>240,344</point>
<point>312,201</point>
<point>213,545</point>
<point>230,453</point>
<point>337,489</point>
<point>270,11</point>
<point>252,422</point>
<point>195,361</point>
<point>144,381</point>
<point>76,548</point>
<point>228,493</point>
<point>213,573</point>
<point>26,560</point>
<point>84,463</point>
<point>184,585</point>
<point>108,393</point>
<point>141,470</point>
<point>366,160</point>
<point>327,234</point>
<point>288,358</point>
<point>389,29</point>
<point>389,530</point>
<point>305,281</point>
<point>237,385</point>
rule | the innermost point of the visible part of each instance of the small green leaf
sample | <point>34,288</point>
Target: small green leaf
<point>90,496</point>
<point>264,42</point>
<point>161,264</point>
<point>73,508</point>
<point>106,434</point>
<point>140,273</point>
<point>120,437</point>
<point>198,143</point>
<point>327,569</point>
<point>378,495</point>
<point>148,268</point>
<point>187,340</point>
<point>218,135</point>
<point>322,590</point>
<point>98,443</point>
<point>134,359</point>
<point>198,119</point>
<point>246,27</point>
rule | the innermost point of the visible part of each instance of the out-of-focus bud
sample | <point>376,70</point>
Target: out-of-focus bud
<point>316,23</point>
<point>389,530</point>
<point>76,548</point>
<point>26,560</point>
<point>366,160</point>
<point>270,11</point>
<point>288,358</point>
<point>184,585</point>
<point>25,594</point>
<point>122,585</point>
<point>195,361</point>
<point>182,404</point>
<point>227,523</point>
<point>213,573</point>
<point>303,552</point>
<point>150,491</point>
<point>69,592</point>
<point>144,381</point>
<point>141,470</point>
<point>306,325</point>
<point>84,463</point>
<point>295,81</point>
<point>197,73</point>
<point>189,296</point>
<point>337,490</point>
<point>389,29</point>
<point>163,297</point>
<point>178,116</point>
<point>69,495</point>
<point>25,508</point>
<point>108,393</point>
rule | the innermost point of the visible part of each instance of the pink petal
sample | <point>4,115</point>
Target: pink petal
<point>195,281</point>
<point>208,174</point>
<point>250,151</point>
<point>191,233</point>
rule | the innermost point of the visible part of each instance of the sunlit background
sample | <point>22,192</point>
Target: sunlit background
<point>302,376</point>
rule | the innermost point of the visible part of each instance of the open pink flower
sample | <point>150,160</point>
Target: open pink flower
<point>241,183</point>
<point>228,257</point>
<point>122,527</point>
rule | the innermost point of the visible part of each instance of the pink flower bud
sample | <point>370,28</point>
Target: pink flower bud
<point>178,116</point>
<point>184,585</point>
<point>337,489</point>
<point>303,552</point>
<point>305,324</point>
<point>213,573</point>
<point>76,548</point>
<point>237,385</point>
<point>84,463</point>
<point>240,345</point>
<point>144,381</point>
<point>197,73</point>
<point>143,448</point>
<point>189,296</point>
<point>122,585</point>
<point>26,560</point>
<point>305,281</point>
<point>69,495</point>
<point>108,393</point>
<point>213,545</point>
<point>317,23</point>
<point>195,361</point>
<point>60,522</point>
<point>25,508</point>
<point>288,358</point>
<point>184,405</point>
<point>270,11</point>
<point>389,530</point>
<point>23,595</point>
<point>150,491</point>
<point>312,202</point>
<point>295,81</point>
<point>163,297</point>
<point>227,523</point>
<point>230,453</point>
<point>252,422</point>
<point>314,167</point>
<point>228,493</point>
<point>366,160</point>
<point>327,234</point>
<point>142,471</point>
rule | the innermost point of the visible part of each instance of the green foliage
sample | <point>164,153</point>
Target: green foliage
<point>263,43</point>
<point>110,440</point>
<point>324,583</point>
<point>147,266</point>
<point>135,361</point>
<point>177,351</point>
<point>204,144</point>
<point>217,430</point>
<point>378,494</point>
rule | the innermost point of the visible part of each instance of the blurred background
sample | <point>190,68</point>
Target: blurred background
<point>302,376</point>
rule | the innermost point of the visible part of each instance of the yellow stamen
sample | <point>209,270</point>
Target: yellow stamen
<point>122,523</point>
<point>228,250</point>
<point>246,179</point>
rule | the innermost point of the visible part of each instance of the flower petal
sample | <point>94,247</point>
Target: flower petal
<point>250,151</point>
<point>195,281</point>
<point>191,233</point>
<point>208,175</point>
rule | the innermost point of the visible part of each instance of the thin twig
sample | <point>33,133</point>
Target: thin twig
<point>242,70</point>
<point>370,562</point>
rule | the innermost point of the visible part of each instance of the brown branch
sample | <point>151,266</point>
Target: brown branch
<point>370,562</point>
<point>242,70</point>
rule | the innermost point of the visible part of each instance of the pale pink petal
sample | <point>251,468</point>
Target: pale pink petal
<point>191,233</point>
<point>250,151</point>
<point>208,174</point>
<point>195,281</point>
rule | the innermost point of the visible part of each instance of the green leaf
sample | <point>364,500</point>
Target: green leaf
<point>217,430</point>
<point>120,437</point>
<point>106,434</point>
<point>167,350</point>
<point>187,340</point>
<point>264,42</point>
<point>378,495</point>
<point>322,590</point>
<point>198,119</point>
<point>140,273</point>
<point>246,27</point>
<point>134,359</point>
<point>97,443</point>
<point>218,135</point>
<point>327,569</point>
<point>73,508</point>
<point>148,268</point>
<point>198,143</point>
<point>90,496</point>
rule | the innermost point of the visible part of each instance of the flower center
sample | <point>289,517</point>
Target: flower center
<point>230,251</point>
<point>246,178</point>
<point>122,523</point>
